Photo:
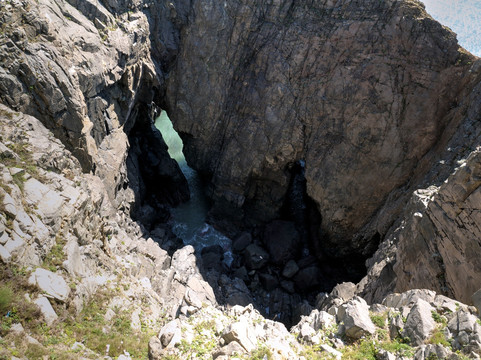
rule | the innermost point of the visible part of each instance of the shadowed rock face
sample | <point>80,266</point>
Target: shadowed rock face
<point>358,89</point>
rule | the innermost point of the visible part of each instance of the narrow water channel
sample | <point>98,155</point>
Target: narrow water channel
<point>188,219</point>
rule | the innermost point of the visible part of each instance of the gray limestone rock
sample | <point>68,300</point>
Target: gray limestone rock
<point>9,205</point>
<point>170,334</point>
<point>230,350</point>
<point>431,351</point>
<point>408,298</point>
<point>52,284</point>
<point>242,333</point>
<point>344,291</point>
<point>4,254</point>
<point>47,310</point>
<point>331,351</point>
<point>282,241</point>
<point>419,322</point>
<point>357,322</point>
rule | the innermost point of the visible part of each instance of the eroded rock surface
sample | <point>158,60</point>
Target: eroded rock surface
<point>358,92</point>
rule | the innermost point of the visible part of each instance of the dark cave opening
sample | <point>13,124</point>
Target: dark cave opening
<point>280,264</point>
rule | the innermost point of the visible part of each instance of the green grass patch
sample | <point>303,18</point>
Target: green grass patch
<point>438,337</point>
<point>14,307</point>
<point>92,329</point>
<point>363,349</point>
<point>6,298</point>
<point>55,258</point>
<point>379,320</point>
<point>261,353</point>
<point>439,318</point>
<point>398,347</point>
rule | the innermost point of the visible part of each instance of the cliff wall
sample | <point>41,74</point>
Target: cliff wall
<point>374,99</point>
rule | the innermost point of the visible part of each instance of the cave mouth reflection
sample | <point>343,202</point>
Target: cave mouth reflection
<point>189,219</point>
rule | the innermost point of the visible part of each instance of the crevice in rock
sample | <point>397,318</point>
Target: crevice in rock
<point>156,179</point>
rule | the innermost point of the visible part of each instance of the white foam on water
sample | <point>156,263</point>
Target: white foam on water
<point>189,218</point>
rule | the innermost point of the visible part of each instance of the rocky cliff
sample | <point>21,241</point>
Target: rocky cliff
<point>359,92</point>
<point>375,99</point>
<point>368,109</point>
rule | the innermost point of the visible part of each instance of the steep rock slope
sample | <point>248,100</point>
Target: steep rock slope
<point>84,69</point>
<point>435,243</point>
<point>357,90</point>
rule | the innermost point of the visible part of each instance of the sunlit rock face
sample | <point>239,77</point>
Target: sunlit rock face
<point>359,90</point>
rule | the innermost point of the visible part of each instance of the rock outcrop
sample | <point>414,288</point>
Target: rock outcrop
<point>359,93</point>
<point>85,70</point>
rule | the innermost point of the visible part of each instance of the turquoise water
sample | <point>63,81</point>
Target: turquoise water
<point>461,16</point>
<point>188,221</point>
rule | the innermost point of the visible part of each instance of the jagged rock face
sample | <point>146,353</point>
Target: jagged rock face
<point>359,90</point>
<point>84,69</point>
<point>435,243</point>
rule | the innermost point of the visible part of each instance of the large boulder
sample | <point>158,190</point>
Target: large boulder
<point>419,323</point>
<point>46,309</point>
<point>255,257</point>
<point>242,333</point>
<point>282,241</point>
<point>357,322</point>
<point>52,284</point>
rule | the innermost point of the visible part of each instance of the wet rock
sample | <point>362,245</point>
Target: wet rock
<point>241,273</point>
<point>307,278</point>
<point>290,269</point>
<point>241,242</point>
<point>255,257</point>
<point>288,286</point>
<point>282,241</point>
<point>268,281</point>
<point>212,257</point>
<point>249,170</point>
